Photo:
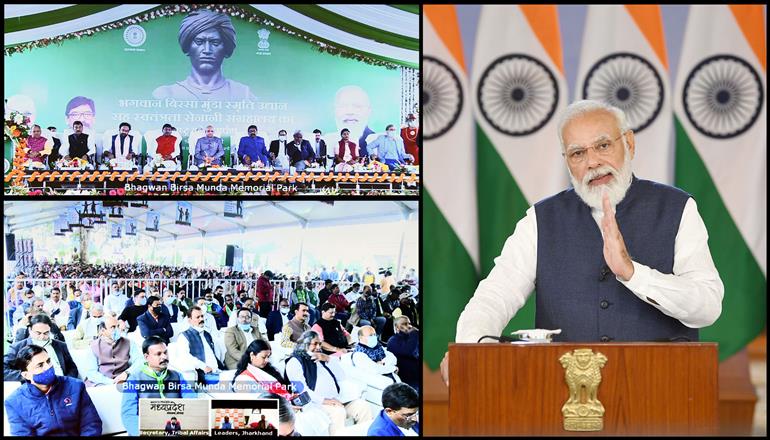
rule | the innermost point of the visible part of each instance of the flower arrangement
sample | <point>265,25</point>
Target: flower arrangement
<point>16,126</point>
<point>76,162</point>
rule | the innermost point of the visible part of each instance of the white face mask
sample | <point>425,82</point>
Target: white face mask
<point>392,133</point>
<point>284,310</point>
<point>371,341</point>
<point>282,138</point>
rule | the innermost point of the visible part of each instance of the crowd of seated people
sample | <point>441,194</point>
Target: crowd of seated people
<point>140,331</point>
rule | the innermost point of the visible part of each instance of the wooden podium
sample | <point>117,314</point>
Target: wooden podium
<point>646,389</point>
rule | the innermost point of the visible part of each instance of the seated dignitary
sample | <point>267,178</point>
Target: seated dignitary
<point>87,330</point>
<point>319,147</point>
<point>167,144</point>
<point>300,152</point>
<point>369,356</point>
<point>335,340</point>
<point>155,322</point>
<point>240,336</point>
<point>389,147</point>
<point>247,303</point>
<point>405,345</point>
<point>197,351</point>
<point>398,418</point>
<point>252,149</point>
<point>113,355</point>
<point>279,151</point>
<point>79,145</point>
<point>124,146</point>
<point>208,149</point>
<point>40,335</point>
<point>131,313</point>
<point>152,380</point>
<point>670,287</point>
<point>48,404</point>
<point>277,319</point>
<point>296,326</point>
<point>320,376</point>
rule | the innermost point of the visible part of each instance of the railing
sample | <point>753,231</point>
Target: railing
<point>100,287</point>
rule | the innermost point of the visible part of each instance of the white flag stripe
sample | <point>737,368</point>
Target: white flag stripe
<point>611,29</point>
<point>738,165</point>
<point>534,160</point>
<point>450,160</point>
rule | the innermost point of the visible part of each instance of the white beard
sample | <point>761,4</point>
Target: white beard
<point>616,189</point>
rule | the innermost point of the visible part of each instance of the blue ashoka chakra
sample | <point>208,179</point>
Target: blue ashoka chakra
<point>723,96</point>
<point>134,35</point>
<point>517,94</point>
<point>628,82</point>
<point>442,98</point>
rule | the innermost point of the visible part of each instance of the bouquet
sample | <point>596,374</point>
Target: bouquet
<point>76,163</point>
<point>16,127</point>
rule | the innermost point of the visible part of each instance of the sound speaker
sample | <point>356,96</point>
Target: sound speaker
<point>234,257</point>
<point>10,247</point>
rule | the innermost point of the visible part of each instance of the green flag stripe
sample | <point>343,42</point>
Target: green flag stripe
<point>449,281</point>
<point>744,308</point>
<point>501,206</point>
<point>26,22</point>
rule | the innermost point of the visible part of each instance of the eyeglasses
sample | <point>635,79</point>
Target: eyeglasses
<point>412,416</point>
<point>81,115</point>
<point>578,155</point>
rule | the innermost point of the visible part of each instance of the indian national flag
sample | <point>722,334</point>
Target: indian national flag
<point>720,106</point>
<point>623,63</point>
<point>450,230</point>
<point>518,90</point>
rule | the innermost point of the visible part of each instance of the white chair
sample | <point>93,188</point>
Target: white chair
<point>107,400</point>
<point>8,389</point>
<point>178,328</point>
<point>191,141</point>
<point>81,358</point>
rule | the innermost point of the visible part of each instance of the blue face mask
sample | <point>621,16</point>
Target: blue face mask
<point>245,327</point>
<point>169,301</point>
<point>116,335</point>
<point>46,377</point>
<point>143,301</point>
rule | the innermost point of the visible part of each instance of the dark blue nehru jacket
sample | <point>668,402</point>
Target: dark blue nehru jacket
<point>576,291</point>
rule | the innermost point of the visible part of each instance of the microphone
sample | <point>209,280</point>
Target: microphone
<point>605,271</point>
<point>501,338</point>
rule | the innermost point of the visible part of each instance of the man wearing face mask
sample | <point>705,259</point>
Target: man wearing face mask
<point>40,335</point>
<point>398,418</point>
<point>132,312</point>
<point>389,148</point>
<point>113,355</point>
<point>47,403</point>
<point>152,380</point>
<point>170,302</point>
<point>115,302</point>
<point>278,151</point>
<point>239,336</point>
<point>155,322</point>
<point>371,358</point>
<point>197,350</point>
<point>410,134</point>
<point>277,319</point>
<point>88,328</point>
<point>320,376</point>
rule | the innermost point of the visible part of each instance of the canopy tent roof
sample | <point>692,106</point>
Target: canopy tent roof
<point>386,32</point>
<point>208,217</point>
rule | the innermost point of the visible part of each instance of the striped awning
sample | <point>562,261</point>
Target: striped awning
<point>386,32</point>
